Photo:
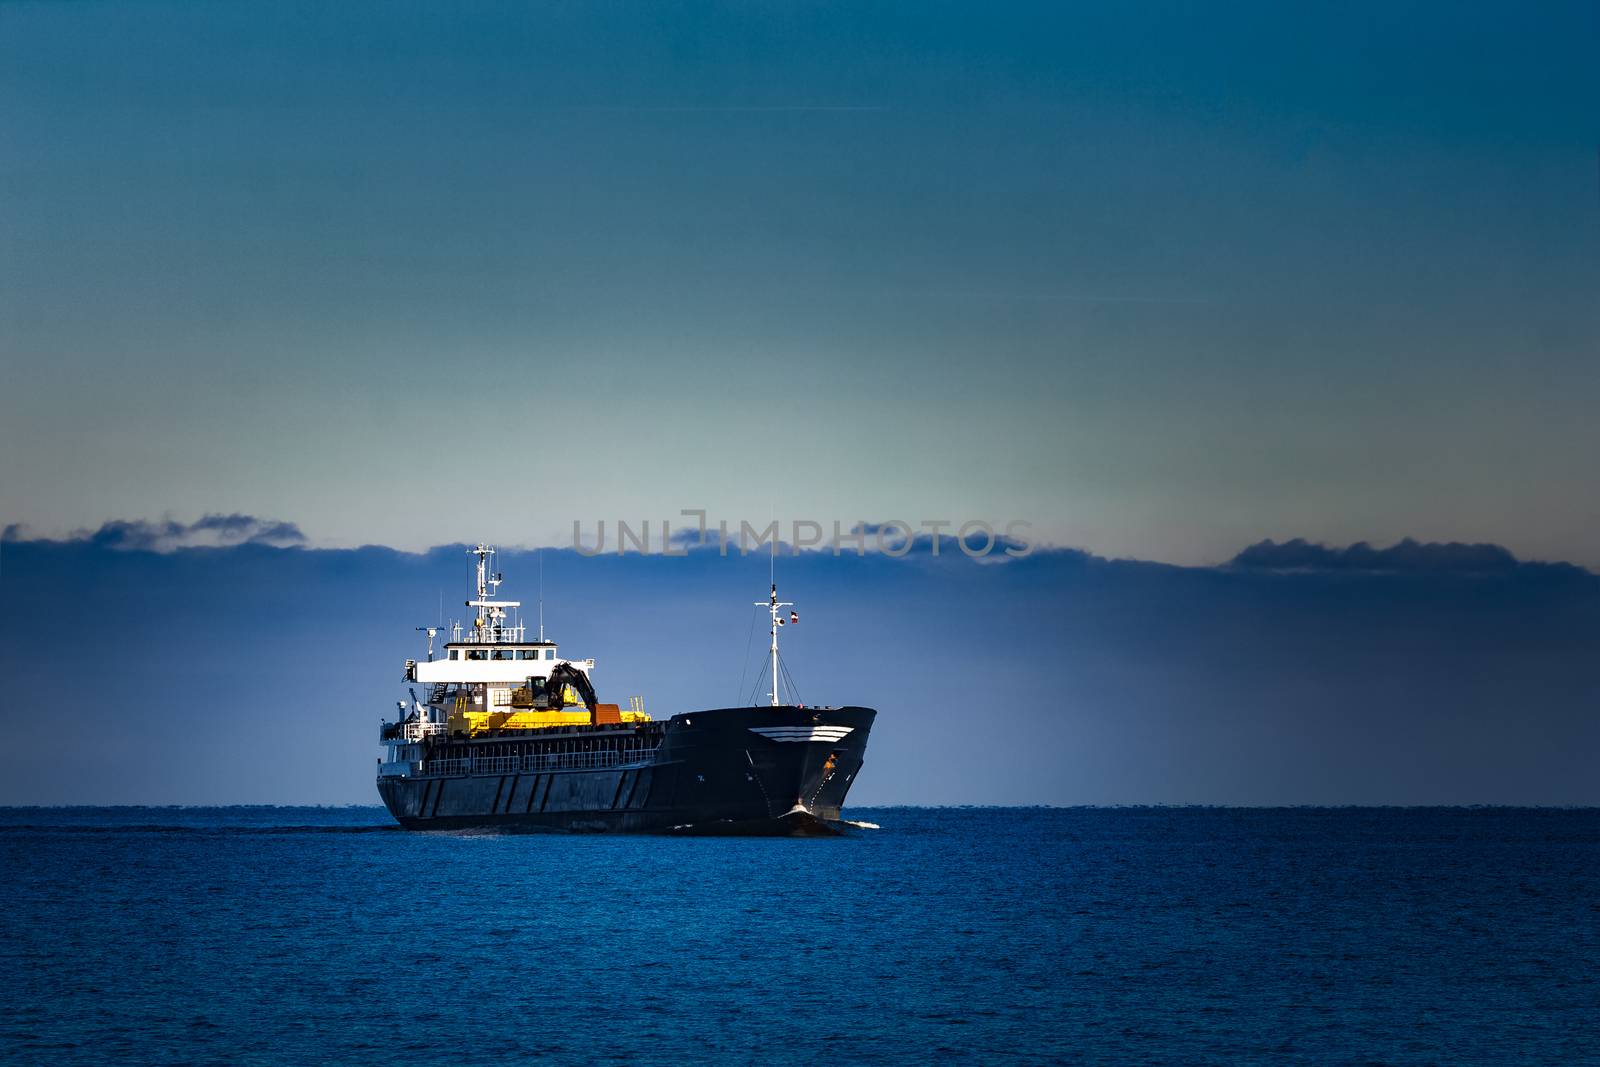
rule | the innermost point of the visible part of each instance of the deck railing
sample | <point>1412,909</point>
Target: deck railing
<point>411,730</point>
<point>531,764</point>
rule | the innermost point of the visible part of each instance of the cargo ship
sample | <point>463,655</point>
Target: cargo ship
<point>503,732</point>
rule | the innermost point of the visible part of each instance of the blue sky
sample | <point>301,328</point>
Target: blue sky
<point>1162,279</point>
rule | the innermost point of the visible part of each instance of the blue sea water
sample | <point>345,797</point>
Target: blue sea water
<point>1192,936</point>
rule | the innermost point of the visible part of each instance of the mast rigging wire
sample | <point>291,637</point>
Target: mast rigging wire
<point>794,690</point>
<point>744,668</point>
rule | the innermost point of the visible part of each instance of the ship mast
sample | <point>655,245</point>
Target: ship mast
<point>773,604</point>
<point>490,626</point>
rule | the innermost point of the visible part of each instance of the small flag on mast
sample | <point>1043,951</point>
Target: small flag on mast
<point>794,616</point>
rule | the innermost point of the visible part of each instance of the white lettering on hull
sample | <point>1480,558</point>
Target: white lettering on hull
<point>802,733</point>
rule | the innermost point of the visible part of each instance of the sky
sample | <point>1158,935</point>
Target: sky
<point>257,670</point>
<point>1273,326</point>
<point>1163,280</point>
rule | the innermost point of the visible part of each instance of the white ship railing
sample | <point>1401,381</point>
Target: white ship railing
<point>396,733</point>
<point>499,635</point>
<point>533,764</point>
<point>435,767</point>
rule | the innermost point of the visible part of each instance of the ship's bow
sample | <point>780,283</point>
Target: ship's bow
<point>783,770</point>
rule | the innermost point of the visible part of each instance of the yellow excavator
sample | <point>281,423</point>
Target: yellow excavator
<point>542,702</point>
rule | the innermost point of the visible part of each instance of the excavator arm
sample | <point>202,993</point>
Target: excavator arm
<point>555,685</point>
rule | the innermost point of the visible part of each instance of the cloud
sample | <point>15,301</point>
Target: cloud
<point>987,541</point>
<point>983,540</point>
<point>1406,556</point>
<point>168,535</point>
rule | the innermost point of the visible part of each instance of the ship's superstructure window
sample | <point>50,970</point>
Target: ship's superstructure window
<point>455,653</point>
<point>500,653</point>
<point>477,653</point>
<point>549,653</point>
<point>527,653</point>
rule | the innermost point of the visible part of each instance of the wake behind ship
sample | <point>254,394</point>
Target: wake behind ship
<point>510,735</point>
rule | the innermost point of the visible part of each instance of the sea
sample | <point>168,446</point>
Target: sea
<point>267,935</point>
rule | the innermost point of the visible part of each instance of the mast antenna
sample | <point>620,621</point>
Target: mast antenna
<point>539,555</point>
<point>490,624</point>
<point>773,604</point>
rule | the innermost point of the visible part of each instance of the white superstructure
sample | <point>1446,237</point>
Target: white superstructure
<point>476,672</point>
<point>495,651</point>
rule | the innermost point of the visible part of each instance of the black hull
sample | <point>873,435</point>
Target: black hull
<point>762,770</point>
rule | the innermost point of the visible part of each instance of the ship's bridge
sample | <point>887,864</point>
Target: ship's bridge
<point>494,651</point>
<point>471,661</point>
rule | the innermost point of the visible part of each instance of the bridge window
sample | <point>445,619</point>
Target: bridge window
<point>501,653</point>
<point>455,653</point>
<point>477,653</point>
<point>549,653</point>
<point>527,653</point>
